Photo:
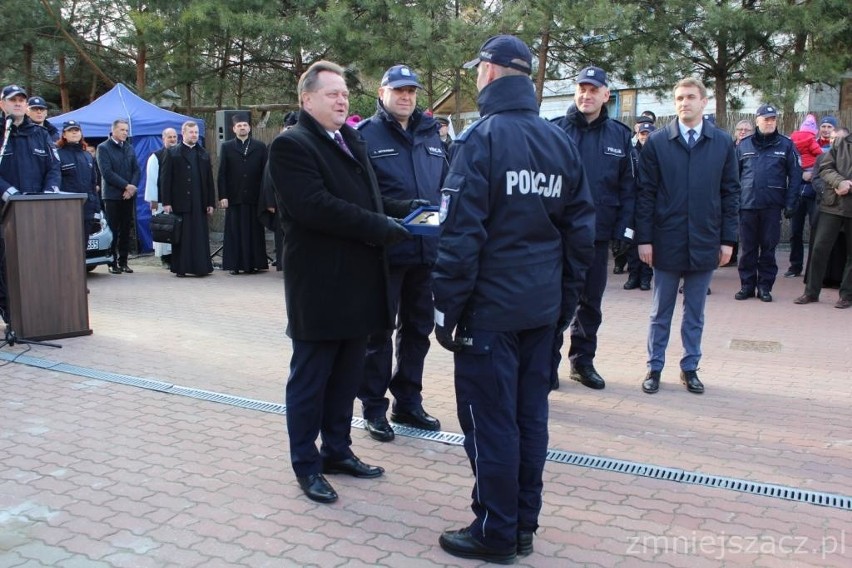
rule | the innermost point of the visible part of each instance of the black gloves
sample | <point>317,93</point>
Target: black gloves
<point>618,246</point>
<point>788,213</point>
<point>417,203</point>
<point>445,337</point>
<point>396,232</point>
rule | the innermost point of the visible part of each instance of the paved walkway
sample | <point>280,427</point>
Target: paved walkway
<point>96,473</point>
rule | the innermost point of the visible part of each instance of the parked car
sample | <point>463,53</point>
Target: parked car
<point>98,244</point>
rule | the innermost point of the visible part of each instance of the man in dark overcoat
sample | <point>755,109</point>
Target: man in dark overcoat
<point>336,226</point>
<point>187,190</point>
<point>686,224</point>
<point>241,163</point>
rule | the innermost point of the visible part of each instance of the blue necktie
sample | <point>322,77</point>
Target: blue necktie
<point>342,143</point>
<point>691,141</point>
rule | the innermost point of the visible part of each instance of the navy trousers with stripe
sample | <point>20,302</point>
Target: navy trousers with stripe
<point>502,381</point>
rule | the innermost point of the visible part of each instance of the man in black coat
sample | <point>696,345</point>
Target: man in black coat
<point>336,228</point>
<point>241,163</point>
<point>187,190</point>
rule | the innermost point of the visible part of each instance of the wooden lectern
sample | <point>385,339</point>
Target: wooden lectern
<point>46,265</point>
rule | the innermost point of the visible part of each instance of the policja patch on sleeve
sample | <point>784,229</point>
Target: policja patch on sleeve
<point>445,206</point>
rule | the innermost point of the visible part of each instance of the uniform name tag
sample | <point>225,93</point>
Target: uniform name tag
<point>614,151</point>
<point>383,152</point>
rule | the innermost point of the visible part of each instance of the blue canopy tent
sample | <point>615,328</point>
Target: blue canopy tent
<point>147,122</point>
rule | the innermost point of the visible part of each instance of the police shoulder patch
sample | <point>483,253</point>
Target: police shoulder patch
<point>445,207</point>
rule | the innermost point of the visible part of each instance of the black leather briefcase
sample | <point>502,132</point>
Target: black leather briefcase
<point>165,228</point>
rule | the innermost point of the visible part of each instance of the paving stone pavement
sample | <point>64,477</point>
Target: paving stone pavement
<point>96,473</point>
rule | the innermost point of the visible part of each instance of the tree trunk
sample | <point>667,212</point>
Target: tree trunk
<point>28,66</point>
<point>242,75</point>
<point>223,73</point>
<point>141,60</point>
<point>63,85</point>
<point>542,62</point>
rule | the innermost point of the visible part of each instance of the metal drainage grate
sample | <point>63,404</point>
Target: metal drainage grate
<point>697,478</point>
<point>251,404</point>
<point>556,456</point>
<point>113,377</point>
<point>27,360</point>
<point>449,438</point>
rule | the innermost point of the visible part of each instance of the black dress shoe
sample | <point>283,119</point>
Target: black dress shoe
<point>317,488</point>
<point>417,418</point>
<point>690,379</point>
<point>126,269</point>
<point>632,283</point>
<point>352,466</point>
<point>764,296</point>
<point>588,376</point>
<point>525,543</point>
<point>380,430</point>
<point>792,273</point>
<point>114,269</point>
<point>461,543</point>
<point>644,286</point>
<point>234,272</point>
<point>744,294</point>
<point>651,384</point>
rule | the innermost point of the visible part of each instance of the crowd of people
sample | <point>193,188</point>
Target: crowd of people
<point>530,211</point>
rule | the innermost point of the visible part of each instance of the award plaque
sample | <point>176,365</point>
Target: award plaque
<point>423,221</point>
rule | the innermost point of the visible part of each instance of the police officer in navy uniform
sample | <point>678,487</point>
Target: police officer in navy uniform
<point>771,178</point>
<point>28,163</point>
<point>607,153</point>
<point>37,111</point>
<point>640,274</point>
<point>516,240</point>
<point>409,160</point>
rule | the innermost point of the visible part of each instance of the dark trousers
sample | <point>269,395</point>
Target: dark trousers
<point>324,377</point>
<point>804,211</point>
<point>411,293</point>
<point>760,231</point>
<point>666,283</point>
<point>4,291</point>
<point>827,230</point>
<point>502,381</point>
<point>119,214</point>
<point>638,269</point>
<point>588,317</point>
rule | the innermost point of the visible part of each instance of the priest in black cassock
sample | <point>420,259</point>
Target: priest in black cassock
<point>187,190</point>
<point>241,163</point>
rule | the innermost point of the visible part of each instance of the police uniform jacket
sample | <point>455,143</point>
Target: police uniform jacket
<point>770,173</point>
<point>409,164</point>
<point>30,163</point>
<point>176,181</point>
<point>607,152</point>
<point>79,176</point>
<point>55,135</point>
<point>687,205</point>
<point>335,223</point>
<point>118,167</point>
<point>241,170</point>
<point>836,166</point>
<point>517,235</point>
